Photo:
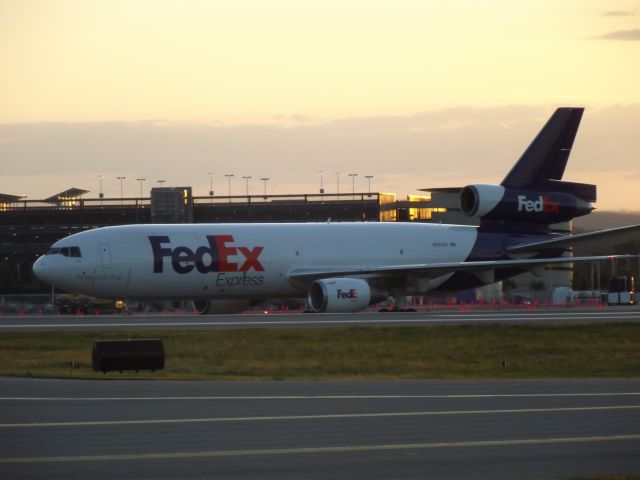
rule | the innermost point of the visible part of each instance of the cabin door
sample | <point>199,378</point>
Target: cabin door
<point>105,256</point>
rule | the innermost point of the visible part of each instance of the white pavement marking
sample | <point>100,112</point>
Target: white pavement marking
<point>432,317</point>
<point>320,397</point>
<point>317,417</point>
<point>322,450</point>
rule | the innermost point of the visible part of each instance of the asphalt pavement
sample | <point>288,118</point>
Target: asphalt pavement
<point>291,430</point>
<point>462,315</point>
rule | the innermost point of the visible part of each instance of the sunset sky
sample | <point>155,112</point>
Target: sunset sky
<point>416,93</point>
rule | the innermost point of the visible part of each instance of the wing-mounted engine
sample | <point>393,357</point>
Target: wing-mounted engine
<point>530,205</point>
<point>342,295</point>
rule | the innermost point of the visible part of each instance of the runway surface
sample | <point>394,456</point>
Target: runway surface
<point>182,322</point>
<point>291,430</point>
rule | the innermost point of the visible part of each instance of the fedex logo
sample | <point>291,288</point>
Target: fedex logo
<point>214,257</point>
<point>352,293</point>
<point>542,204</point>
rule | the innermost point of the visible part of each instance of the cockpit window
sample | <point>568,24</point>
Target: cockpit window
<point>66,251</point>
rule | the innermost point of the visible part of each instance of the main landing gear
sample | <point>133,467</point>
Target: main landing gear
<point>400,304</point>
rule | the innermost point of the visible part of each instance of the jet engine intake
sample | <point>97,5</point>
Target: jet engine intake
<point>339,295</point>
<point>478,200</point>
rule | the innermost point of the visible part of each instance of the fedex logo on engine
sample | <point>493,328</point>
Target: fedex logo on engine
<point>214,257</point>
<point>542,204</point>
<point>352,294</point>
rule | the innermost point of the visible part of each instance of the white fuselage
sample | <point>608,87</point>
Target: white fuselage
<point>229,261</point>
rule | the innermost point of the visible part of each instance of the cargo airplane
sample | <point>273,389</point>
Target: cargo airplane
<point>343,267</point>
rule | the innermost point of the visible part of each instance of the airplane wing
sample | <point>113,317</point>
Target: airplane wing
<point>571,240</point>
<point>437,269</point>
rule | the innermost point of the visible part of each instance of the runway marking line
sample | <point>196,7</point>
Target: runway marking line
<point>175,421</point>
<point>155,321</point>
<point>321,450</point>
<point>320,397</point>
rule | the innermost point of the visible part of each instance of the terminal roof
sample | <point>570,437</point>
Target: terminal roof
<point>69,194</point>
<point>442,190</point>
<point>6,198</point>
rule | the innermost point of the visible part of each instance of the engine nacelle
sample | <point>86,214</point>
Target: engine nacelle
<point>339,295</point>
<point>209,307</point>
<point>478,200</point>
<point>495,202</point>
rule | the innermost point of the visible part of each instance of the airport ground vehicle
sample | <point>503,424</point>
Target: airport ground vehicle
<point>622,291</point>
<point>84,304</point>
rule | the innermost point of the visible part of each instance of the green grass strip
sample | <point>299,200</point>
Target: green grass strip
<point>432,352</point>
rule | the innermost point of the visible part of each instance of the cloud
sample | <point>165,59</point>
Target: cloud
<point>618,13</point>
<point>450,147</point>
<point>632,35</point>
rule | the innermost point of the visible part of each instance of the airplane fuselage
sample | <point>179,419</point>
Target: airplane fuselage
<point>229,261</point>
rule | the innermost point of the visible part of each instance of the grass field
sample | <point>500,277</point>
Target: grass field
<point>435,352</point>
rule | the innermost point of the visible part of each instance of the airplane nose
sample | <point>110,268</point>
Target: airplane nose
<point>40,269</point>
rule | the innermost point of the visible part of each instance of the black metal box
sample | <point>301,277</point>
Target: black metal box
<point>110,355</point>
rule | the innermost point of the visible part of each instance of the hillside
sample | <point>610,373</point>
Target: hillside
<point>599,220</point>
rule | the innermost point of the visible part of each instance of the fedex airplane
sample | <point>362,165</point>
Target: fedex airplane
<point>342,267</point>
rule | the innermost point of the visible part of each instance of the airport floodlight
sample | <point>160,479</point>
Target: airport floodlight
<point>100,195</point>
<point>369,177</point>
<point>141,180</point>
<point>210,184</point>
<point>121,188</point>
<point>353,183</point>
<point>265,180</point>
<point>247,177</point>
<point>229,176</point>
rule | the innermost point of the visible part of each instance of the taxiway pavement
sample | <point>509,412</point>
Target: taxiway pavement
<point>436,317</point>
<point>290,430</point>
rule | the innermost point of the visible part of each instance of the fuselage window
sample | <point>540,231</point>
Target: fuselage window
<point>53,251</point>
<point>74,252</point>
<point>64,251</point>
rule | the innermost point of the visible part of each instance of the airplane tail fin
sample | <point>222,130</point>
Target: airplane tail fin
<point>546,157</point>
<point>543,163</point>
<point>533,192</point>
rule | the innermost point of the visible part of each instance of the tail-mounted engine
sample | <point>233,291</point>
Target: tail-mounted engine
<point>496,202</point>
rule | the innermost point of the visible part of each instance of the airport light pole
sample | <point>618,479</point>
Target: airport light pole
<point>121,189</point>
<point>369,177</point>
<point>246,178</point>
<point>210,184</point>
<point>321,172</point>
<point>638,279</point>
<point>161,182</point>
<point>338,183</point>
<point>141,180</point>
<point>353,183</point>
<point>100,195</point>
<point>229,176</point>
<point>265,180</point>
